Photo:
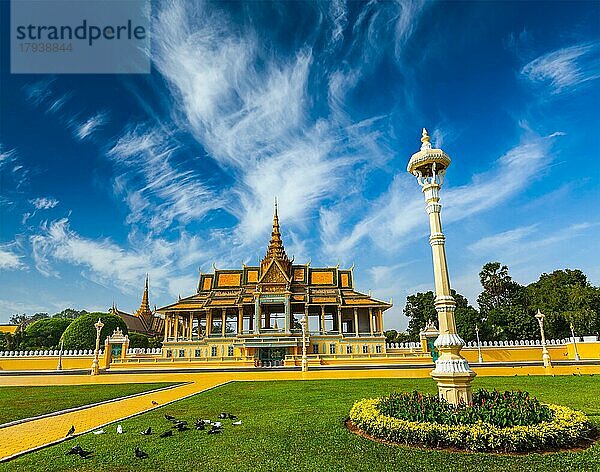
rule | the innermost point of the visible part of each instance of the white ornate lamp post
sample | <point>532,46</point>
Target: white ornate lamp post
<point>59,366</point>
<point>304,340</point>
<point>95,364</point>
<point>452,372</point>
<point>574,342</point>
<point>545,354</point>
<point>479,357</point>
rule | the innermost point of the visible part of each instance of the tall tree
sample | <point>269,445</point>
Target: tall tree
<point>503,305</point>
<point>566,296</point>
<point>420,308</point>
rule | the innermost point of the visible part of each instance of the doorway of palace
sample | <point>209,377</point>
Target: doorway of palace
<point>271,356</point>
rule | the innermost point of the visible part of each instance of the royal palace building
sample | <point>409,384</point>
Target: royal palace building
<point>269,314</point>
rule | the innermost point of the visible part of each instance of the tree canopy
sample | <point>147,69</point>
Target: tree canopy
<point>81,333</point>
<point>45,333</point>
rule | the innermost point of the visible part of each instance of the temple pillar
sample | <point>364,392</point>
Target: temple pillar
<point>356,322</point>
<point>208,322</point>
<point>166,328</point>
<point>257,316</point>
<point>240,325</point>
<point>371,321</point>
<point>287,314</point>
<point>339,317</point>
<point>176,327</point>
<point>322,319</point>
<point>223,320</point>
<point>380,322</point>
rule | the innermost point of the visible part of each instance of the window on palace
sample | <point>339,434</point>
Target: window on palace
<point>169,353</point>
<point>213,351</point>
<point>230,351</point>
<point>365,349</point>
<point>378,349</point>
<point>332,349</point>
<point>182,353</point>
<point>315,348</point>
<point>348,349</point>
<point>197,353</point>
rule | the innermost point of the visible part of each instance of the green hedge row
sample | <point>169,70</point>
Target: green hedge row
<point>566,429</point>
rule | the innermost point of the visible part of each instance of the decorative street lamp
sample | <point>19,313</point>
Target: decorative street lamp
<point>59,366</point>
<point>304,324</point>
<point>95,364</point>
<point>480,357</point>
<point>452,372</point>
<point>574,341</point>
<point>545,354</point>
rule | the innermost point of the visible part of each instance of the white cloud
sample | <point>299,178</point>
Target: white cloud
<point>86,128</point>
<point>145,159</point>
<point>9,259</point>
<point>44,203</point>
<point>503,240</point>
<point>566,69</point>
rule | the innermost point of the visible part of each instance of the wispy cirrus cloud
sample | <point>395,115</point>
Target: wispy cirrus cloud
<point>156,189</point>
<point>9,259</point>
<point>252,113</point>
<point>109,264</point>
<point>84,129</point>
<point>44,203</point>
<point>566,69</point>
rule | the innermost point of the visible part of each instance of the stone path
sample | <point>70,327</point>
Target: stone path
<point>37,433</point>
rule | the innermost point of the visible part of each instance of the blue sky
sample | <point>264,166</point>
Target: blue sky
<point>107,177</point>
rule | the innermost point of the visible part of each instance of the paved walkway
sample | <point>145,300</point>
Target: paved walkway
<point>31,435</point>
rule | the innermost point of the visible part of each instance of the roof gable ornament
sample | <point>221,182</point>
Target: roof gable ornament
<point>276,251</point>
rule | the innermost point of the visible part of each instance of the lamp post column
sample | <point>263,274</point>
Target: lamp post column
<point>545,354</point>
<point>479,357</point>
<point>304,340</point>
<point>577,358</point>
<point>452,372</point>
<point>95,364</point>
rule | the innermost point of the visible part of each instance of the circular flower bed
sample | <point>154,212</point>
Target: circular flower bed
<point>496,422</point>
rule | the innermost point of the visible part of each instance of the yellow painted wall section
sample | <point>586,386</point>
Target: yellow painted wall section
<point>46,362</point>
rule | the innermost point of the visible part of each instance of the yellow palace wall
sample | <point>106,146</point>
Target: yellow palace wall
<point>394,356</point>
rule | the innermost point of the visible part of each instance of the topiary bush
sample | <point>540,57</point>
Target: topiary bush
<point>81,333</point>
<point>472,428</point>
<point>45,333</point>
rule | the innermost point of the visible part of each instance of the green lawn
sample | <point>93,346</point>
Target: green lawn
<point>24,402</point>
<point>299,426</point>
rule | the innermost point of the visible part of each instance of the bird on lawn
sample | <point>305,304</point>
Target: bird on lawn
<point>154,402</point>
<point>147,432</point>
<point>181,426</point>
<point>214,430</point>
<point>207,421</point>
<point>100,431</point>
<point>71,431</point>
<point>84,454</point>
<point>170,418</point>
<point>232,417</point>
<point>223,416</point>
<point>237,423</point>
<point>166,434</point>
<point>120,429</point>
<point>140,454</point>
<point>74,450</point>
<point>216,424</point>
<point>200,425</point>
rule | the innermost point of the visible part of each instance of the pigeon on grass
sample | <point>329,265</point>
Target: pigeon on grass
<point>140,454</point>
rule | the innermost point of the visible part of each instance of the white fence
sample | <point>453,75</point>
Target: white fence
<point>534,342</point>
<point>56,352</point>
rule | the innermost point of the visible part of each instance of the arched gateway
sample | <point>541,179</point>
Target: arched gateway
<point>256,313</point>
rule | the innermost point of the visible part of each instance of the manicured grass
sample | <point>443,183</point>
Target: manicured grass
<point>299,426</point>
<point>25,402</point>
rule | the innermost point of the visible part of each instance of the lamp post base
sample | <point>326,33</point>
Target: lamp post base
<point>455,388</point>
<point>95,368</point>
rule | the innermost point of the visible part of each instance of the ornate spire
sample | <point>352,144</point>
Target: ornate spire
<point>276,249</point>
<point>425,140</point>
<point>144,310</point>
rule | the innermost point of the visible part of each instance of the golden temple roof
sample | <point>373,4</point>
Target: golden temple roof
<point>276,251</point>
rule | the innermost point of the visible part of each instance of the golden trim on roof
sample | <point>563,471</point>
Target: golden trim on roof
<point>229,279</point>
<point>321,277</point>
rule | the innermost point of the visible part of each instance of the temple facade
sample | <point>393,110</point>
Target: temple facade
<point>271,313</point>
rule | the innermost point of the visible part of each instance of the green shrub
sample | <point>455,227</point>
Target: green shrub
<point>138,340</point>
<point>81,333</point>
<point>45,333</point>
<point>565,429</point>
<point>499,409</point>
